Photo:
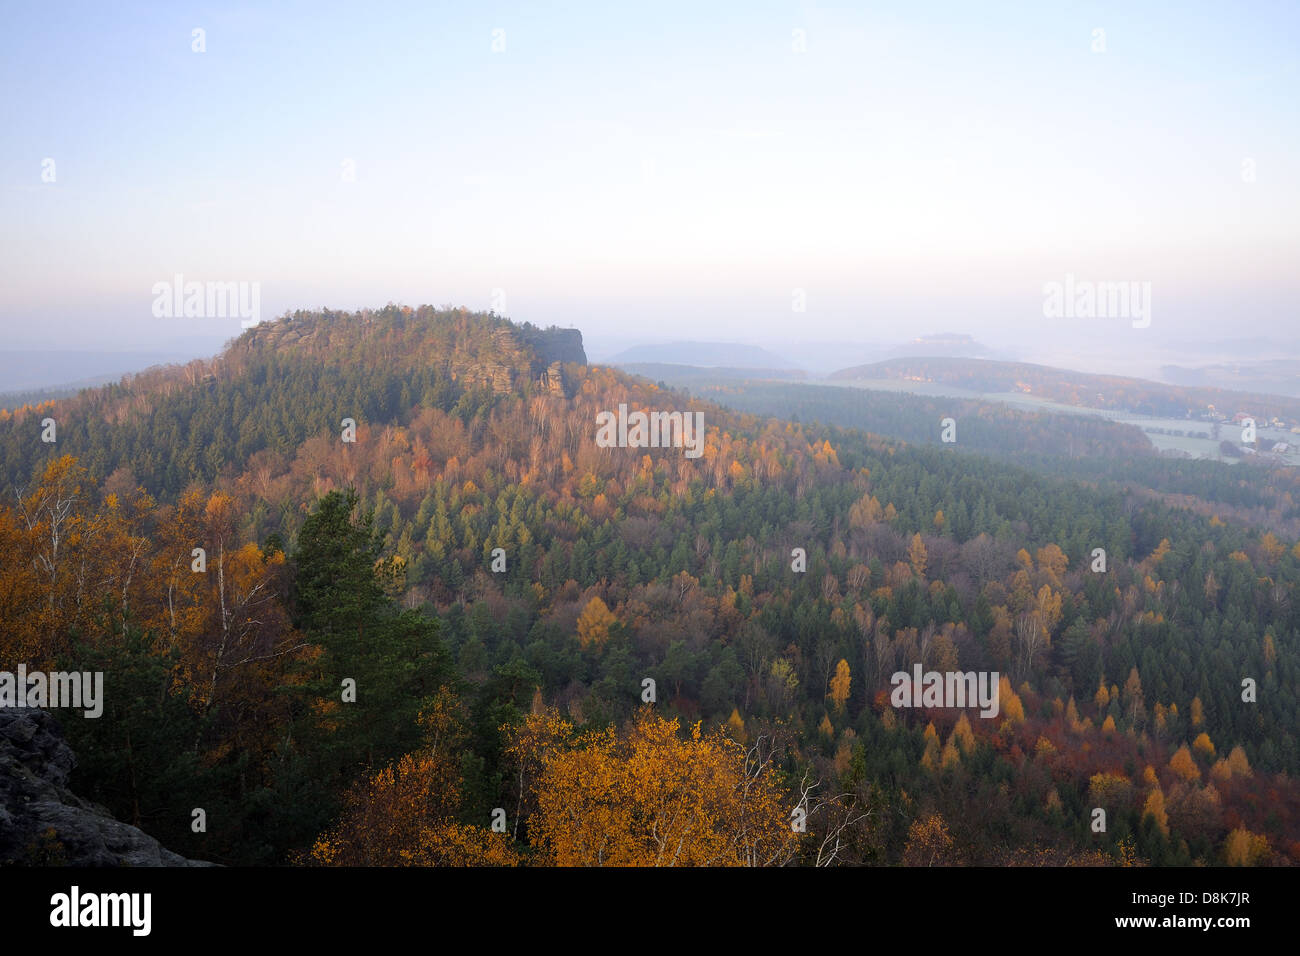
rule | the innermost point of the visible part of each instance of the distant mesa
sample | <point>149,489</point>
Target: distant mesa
<point>946,344</point>
<point>992,375</point>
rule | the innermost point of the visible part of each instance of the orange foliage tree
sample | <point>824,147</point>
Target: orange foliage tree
<point>404,815</point>
<point>929,843</point>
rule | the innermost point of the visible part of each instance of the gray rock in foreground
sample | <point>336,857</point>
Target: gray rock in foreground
<point>35,762</point>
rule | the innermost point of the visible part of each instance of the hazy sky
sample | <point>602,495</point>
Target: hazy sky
<point>674,173</point>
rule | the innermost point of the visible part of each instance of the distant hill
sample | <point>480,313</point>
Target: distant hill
<point>814,358</point>
<point>684,374</point>
<point>702,355</point>
<point>35,396</point>
<point>1107,392</point>
<point>30,370</point>
<point>951,345</point>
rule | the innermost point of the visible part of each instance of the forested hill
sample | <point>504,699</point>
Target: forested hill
<point>499,586</point>
<point>1111,392</point>
<point>282,382</point>
<point>455,339</point>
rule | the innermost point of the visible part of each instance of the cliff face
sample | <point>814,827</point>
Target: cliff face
<point>42,823</point>
<point>521,355</point>
<point>559,345</point>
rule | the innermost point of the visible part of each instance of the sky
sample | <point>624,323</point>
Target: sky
<point>751,171</point>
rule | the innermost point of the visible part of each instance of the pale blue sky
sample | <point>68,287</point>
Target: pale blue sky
<point>669,173</point>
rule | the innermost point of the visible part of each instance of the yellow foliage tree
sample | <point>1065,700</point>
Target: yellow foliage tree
<point>1238,763</point>
<point>840,684</point>
<point>1102,697</point>
<point>1203,746</point>
<point>1053,560</point>
<point>1271,546</point>
<point>1072,716</point>
<point>1243,848</point>
<point>826,728</point>
<point>1012,710</point>
<point>594,623</point>
<point>928,843</point>
<point>950,757</point>
<point>64,562</point>
<point>962,735</point>
<point>1161,720</point>
<point>1155,808</point>
<point>865,512</point>
<point>1182,764</point>
<point>736,726</point>
<point>918,555</point>
<point>646,797</point>
<point>1109,789</point>
<point>930,758</point>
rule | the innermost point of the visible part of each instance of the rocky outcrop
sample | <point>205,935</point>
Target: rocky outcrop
<point>42,822</point>
<point>559,345</point>
<point>517,355</point>
<point>553,379</point>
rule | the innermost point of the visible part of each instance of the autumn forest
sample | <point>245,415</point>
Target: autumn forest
<point>365,589</point>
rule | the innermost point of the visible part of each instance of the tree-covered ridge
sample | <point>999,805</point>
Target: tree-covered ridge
<point>401,337</point>
<point>280,383</point>
<point>627,564</point>
<point>1089,449</point>
<point>1036,439</point>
